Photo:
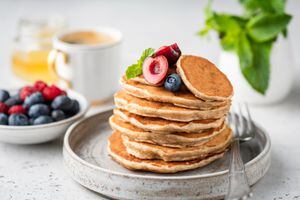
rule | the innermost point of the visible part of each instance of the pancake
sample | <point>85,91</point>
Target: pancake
<point>159,125</point>
<point>182,98</point>
<point>204,79</point>
<point>144,150</point>
<point>118,152</point>
<point>164,110</point>
<point>179,140</point>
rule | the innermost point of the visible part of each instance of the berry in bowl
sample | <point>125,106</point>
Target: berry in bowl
<point>38,113</point>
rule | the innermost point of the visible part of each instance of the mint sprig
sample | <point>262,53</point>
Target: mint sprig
<point>250,36</point>
<point>137,68</point>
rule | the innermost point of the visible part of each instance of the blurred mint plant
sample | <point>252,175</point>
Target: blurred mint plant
<point>250,36</point>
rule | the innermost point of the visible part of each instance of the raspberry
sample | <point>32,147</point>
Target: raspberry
<point>26,91</point>
<point>16,110</point>
<point>39,86</point>
<point>3,108</point>
<point>51,92</point>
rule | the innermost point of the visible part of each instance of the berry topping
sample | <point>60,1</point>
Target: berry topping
<point>155,69</point>
<point>38,110</point>
<point>3,119</point>
<point>18,109</point>
<point>14,100</point>
<point>33,99</point>
<point>3,108</point>
<point>18,120</point>
<point>42,120</point>
<point>172,53</point>
<point>75,108</point>
<point>63,103</point>
<point>39,86</point>
<point>63,93</point>
<point>58,115</point>
<point>31,120</point>
<point>51,92</point>
<point>37,104</point>
<point>173,82</point>
<point>26,91</point>
<point>4,95</point>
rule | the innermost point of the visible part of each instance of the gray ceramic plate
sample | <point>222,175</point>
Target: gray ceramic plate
<point>87,161</point>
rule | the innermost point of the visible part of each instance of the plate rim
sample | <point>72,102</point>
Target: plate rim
<point>71,153</point>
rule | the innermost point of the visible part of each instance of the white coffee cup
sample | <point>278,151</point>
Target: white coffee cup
<point>92,69</point>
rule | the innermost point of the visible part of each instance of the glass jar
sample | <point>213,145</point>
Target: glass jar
<point>32,46</point>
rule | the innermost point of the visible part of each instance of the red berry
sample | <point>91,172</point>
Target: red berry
<point>26,91</point>
<point>172,53</point>
<point>51,92</point>
<point>3,108</point>
<point>17,110</point>
<point>63,93</point>
<point>155,70</point>
<point>39,86</point>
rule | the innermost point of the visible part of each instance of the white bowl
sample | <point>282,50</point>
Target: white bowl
<point>43,133</point>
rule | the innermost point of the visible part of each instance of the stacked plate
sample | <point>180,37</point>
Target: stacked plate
<point>161,131</point>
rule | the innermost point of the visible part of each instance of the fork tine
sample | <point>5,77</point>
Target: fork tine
<point>236,122</point>
<point>249,119</point>
<point>232,119</point>
<point>250,125</point>
<point>241,119</point>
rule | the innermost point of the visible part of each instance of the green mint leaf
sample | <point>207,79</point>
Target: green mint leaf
<point>137,69</point>
<point>258,73</point>
<point>253,7</point>
<point>285,32</point>
<point>133,71</point>
<point>224,23</point>
<point>146,53</point>
<point>229,42</point>
<point>265,27</point>
<point>208,10</point>
<point>278,5</point>
<point>244,52</point>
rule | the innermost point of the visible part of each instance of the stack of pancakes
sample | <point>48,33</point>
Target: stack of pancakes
<point>161,131</point>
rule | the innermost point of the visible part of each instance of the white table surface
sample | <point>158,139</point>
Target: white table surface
<point>36,171</point>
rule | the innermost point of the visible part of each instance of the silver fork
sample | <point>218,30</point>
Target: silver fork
<point>243,129</point>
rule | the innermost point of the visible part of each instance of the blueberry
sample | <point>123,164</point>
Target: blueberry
<point>75,108</point>
<point>173,82</point>
<point>3,119</point>
<point>62,102</point>
<point>4,95</point>
<point>38,110</point>
<point>18,120</point>
<point>31,120</point>
<point>58,115</point>
<point>34,98</point>
<point>44,119</point>
<point>14,100</point>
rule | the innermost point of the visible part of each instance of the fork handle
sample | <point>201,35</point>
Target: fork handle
<point>238,182</point>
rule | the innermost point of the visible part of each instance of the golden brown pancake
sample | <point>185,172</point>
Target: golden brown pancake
<point>144,150</point>
<point>179,140</point>
<point>118,152</point>
<point>164,110</point>
<point>182,98</point>
<point>159,125</point>
<point>204,79</point>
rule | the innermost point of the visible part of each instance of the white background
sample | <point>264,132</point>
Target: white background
<point>36,172</point>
